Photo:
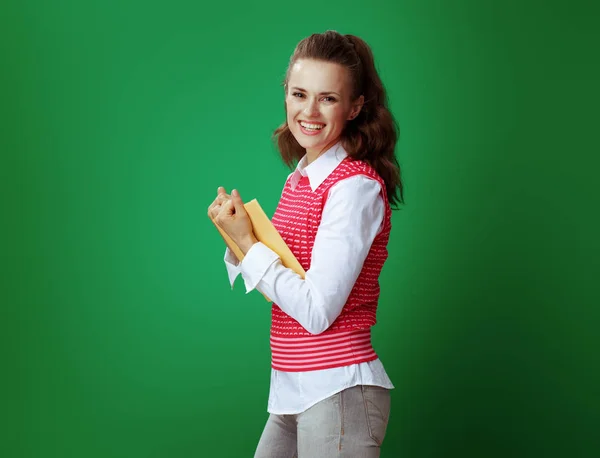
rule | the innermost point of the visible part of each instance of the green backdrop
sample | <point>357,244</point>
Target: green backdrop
<point>121,336</point>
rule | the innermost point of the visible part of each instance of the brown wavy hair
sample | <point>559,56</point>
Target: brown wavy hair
<point>372,135</point>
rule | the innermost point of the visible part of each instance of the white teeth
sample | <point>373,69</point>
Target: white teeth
<point>311,126</point>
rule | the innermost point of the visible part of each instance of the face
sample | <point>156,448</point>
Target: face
<point>319,103</point>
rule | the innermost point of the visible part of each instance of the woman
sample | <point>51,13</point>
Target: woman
<point>329,393</point>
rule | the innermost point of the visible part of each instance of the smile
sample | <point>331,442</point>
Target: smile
<point>311,127</point>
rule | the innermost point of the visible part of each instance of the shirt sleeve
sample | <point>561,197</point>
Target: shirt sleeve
<point>352,217</point>
<point>232,265</point>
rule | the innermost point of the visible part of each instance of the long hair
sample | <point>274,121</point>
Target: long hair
<point>372,135</point>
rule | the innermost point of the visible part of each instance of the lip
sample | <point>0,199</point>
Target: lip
<point>310,132</point>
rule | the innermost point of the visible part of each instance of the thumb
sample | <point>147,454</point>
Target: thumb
<point>237,200</point>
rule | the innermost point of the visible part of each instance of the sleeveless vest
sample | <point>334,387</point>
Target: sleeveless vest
<point>348,340</point>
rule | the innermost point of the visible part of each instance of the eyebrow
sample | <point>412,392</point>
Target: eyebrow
<point>320,93</point>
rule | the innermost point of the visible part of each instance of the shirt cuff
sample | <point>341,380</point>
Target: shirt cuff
<point>233,266</point>
<point>255,264</point>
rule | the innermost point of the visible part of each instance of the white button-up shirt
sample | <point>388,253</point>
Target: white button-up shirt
<point>352,217</point>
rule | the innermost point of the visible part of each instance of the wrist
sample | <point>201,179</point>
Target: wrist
<point>246,243</point>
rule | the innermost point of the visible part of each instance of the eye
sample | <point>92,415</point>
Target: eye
<point>329,99</point>
<point>297,94</point>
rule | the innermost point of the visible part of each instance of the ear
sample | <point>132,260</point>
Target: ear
<point>356,107</point>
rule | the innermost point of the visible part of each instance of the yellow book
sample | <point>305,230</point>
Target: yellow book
<point>266,233</point>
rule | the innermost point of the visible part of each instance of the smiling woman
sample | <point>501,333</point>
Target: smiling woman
<point>329,394</point>
<point>331,81</point>
<point>316,116</point>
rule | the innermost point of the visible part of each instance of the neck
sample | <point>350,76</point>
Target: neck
<point>312,154</point>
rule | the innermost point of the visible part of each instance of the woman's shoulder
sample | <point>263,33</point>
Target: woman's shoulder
<point>351,167</point>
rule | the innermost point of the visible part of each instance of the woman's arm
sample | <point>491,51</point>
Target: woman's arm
<point>232,263</point>
<point>351,219</point>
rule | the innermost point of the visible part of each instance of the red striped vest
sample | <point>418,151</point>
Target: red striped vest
<point>348,340</point>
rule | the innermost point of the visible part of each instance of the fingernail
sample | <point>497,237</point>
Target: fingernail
<point>234,193</point>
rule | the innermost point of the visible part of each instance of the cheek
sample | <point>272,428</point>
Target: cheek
<point>290,115</point>
<point>289,107</point>
<point>338,116</point>
<point>292,109</point>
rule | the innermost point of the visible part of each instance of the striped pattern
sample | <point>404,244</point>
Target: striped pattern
<point>297,219</point>
<point>324,351</point>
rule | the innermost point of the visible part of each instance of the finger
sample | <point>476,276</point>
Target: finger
<point>221,190</point>
<point>209,209</point>
<point>213,204</point>
<point>227,209</point>
<point>237,201</point>
<point>214,211</point>
<point>222,198</point>
<point>217,201</point>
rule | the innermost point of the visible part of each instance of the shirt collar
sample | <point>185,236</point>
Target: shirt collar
<point>320,168</point>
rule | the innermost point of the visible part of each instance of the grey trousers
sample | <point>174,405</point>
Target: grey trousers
<point>351,423</point>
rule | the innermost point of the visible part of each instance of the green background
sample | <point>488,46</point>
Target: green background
<point>120,335</point>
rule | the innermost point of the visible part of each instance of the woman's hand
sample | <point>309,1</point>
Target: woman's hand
<point>229,213</point>
<point>213,211</point>
<point>215,207</point>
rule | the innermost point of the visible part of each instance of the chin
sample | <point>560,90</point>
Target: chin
<point>312,144</point>
<point>308,142</point>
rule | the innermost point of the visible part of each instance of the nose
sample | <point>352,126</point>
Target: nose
<point>312,108</point>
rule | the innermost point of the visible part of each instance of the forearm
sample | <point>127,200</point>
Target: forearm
<point>350,221</point>
<point>302,299</point>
